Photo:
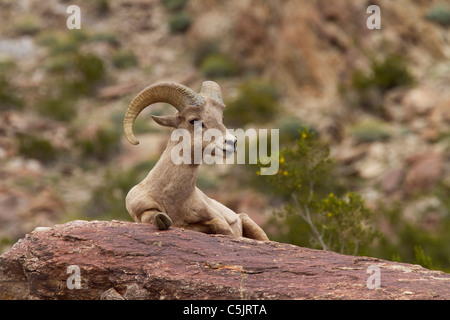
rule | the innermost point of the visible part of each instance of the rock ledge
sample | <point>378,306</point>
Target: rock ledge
<point>124,260</point>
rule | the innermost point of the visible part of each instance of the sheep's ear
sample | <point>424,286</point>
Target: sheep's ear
<point>166,121</point>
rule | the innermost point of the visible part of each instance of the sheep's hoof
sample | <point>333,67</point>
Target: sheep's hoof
<point>162,221</point>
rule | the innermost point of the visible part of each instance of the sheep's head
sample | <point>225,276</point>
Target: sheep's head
<point>196,112</point>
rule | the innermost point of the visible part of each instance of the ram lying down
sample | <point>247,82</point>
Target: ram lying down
<point>168,195</point>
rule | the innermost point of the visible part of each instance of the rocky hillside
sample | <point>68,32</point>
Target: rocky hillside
<point>380,98</point>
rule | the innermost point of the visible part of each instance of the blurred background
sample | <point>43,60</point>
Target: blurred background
<point>379,99</point>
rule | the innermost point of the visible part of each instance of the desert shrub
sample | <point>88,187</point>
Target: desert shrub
<point>203,50</point>
<point>59,43</point>
<point>58,64</point>
<point>65,42</point>
<point>57,107</point>
<point>71,72</point>
<point>71,76</point>
<point>423,240</point>
<point>105,37</point>
<point>180,22</point>
<point>174,5</point>
<point>370,131</point>
<point>439,15</point>
<point>218,66</point>
<point>34,147</point>
<point>74,77</point>
<point>78,72</point>
<point>256,102</point>
<point>101,7</point>
<point>89,70</point>
<point>27,25</point>
<point>306,184</point>
<point>290,130</point>
<point>9,95</point>
<point>100,146</point>
<point>124,59</point>
<point>384,75</point>
<point>409,241</point>
<point>422,258</point>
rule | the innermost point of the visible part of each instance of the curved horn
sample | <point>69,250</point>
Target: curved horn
<point>211,89</point>
<point>173,93</point>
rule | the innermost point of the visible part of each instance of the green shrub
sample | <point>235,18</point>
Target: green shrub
<point>78,72</point>
<point>218,66</point>
<point>384,75</point>
<point>101,7</point>
<point>27,25</point>
<point>74,75</point>
<point>62,43</point>
<point>71,76</point>
<point>291,129</point>
<point>370,131</point>
<point>59,64</point>
<point>58,107</point>
<point>411,242</point>
<point>203,50</point>
<point>256,102</point>
<point>90,70</point>
<point>70,41</point>
<point>305,182</point>
<point>179,22</point>
<point>106,37</point>
<point>124,59</point>
<point>34,147</point>
<point>174,5</point>
<point>9,95</point>
<point>102,146</point>
<point>439,15</point>
<point>421,258</point>
<point>390,73</point>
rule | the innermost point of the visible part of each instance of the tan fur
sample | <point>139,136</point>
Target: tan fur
<point>171,189</point>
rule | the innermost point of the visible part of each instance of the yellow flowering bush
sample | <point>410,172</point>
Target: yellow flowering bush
<point>306,184</point>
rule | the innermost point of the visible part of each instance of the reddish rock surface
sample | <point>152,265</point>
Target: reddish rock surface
<point>425,171</point>
<point>124,260</point>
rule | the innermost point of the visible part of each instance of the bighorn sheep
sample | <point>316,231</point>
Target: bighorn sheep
<point>169,194</point>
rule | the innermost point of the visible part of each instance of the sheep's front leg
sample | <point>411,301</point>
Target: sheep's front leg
<point>161,220</point>
<point>250,229</point>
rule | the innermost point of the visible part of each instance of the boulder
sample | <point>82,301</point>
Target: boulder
<point>424,171</point>
<point>419,101</point>
<point>125,260</point>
